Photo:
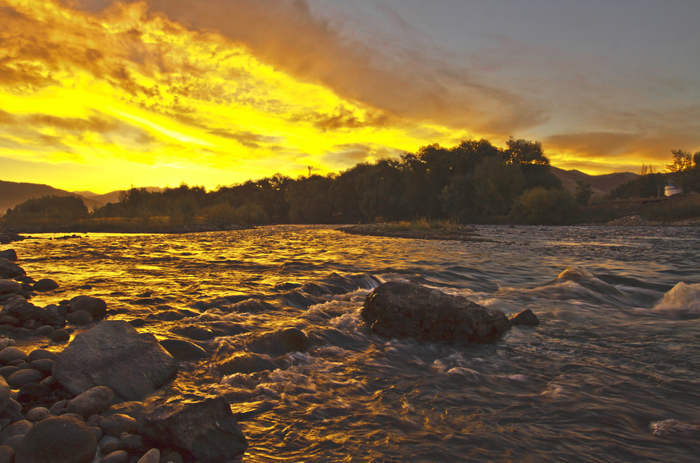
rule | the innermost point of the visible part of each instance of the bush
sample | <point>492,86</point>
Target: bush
<point>545,207</point>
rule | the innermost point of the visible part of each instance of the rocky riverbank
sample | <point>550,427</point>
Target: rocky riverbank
<point>639,221</point>
<point>112,227</point>
<point>99,397</point>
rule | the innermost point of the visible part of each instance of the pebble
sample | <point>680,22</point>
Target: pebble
<point>45,365</point>
<point>37,414</point>
<point>92,401</point>
<point>118,456</point>
<point>79,317</point>
<point>11,353</point>
<point>118,424</point>
<point>59,336</point>
<point>14,441</point>
<point>152,456</point>
<point>41,354</point>
<point>45,284</point>
<point>44,330</point>
<point>57,440</point>
<point>19,428</point>
<point>19,378</point>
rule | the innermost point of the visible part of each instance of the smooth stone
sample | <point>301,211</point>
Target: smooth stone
<point>58,407</point>
<point>11,353</point>
<point>525,318</point>
<point>405,310</point>
<point>22,377</point>
<point>96,306</point>
<point>19,428</point>
<point>216,435</point>
<point>59,336</point>
<point>116,425</point>
<point>44,330</point>
<point>9,254</point>
<point>7,371</point>
<point>19,308</point>
<point>79,317</point>
<point>106,439</point>
<point>49,381</point>
<point>43,365</point>
<point>107,449</point>
<point>133,443</point>
<point>10,270</point>
<point>14,441</point>
<point>13,411</point>
<point>97,432</point>
<point>45,284</point>
<point>115,355</point>
<point>152,456</point>
<point>117,456</point>
<point>92,401</point>
<point>58,440</point>
<point>183,350</point>
<point>9,286</point>
<point>37,414</point>
<point>7,454</point>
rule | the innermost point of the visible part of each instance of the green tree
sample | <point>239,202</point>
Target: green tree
<point>545,207</point>
<point>583,192</point>
<point>497,184</point>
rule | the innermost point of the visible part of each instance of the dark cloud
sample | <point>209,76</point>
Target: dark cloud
<point>248,139</point>
<point>73,124</point>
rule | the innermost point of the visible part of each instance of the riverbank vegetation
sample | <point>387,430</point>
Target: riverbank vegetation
<point>473,182</point>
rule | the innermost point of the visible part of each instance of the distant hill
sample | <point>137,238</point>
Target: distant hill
<point>601,184</point>
<point>14,193</point>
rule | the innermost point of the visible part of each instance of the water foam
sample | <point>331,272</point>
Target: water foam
<point>682,298</point>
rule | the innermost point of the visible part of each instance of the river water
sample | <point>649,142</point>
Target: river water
<point>612,374</point>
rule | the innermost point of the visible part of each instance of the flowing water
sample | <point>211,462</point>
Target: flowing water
<point>612,374</point>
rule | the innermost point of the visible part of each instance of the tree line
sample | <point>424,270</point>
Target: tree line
<point>473,182</point>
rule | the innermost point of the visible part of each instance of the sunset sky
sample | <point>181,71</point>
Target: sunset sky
<point>99,95</point>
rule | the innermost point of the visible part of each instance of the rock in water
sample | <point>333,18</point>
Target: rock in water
<point>405,310</point>
<point>10,270</point>
<point>9,286</point>
<point>9,254</point>
<point>115,355</point>
<point>525,318</point>
<point>207,429</point>
<point>96,306</point>
<point>183,350</point>
<point>58,440</point>
<point>45,284</point>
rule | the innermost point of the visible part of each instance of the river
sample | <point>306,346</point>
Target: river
<point>612,373</point>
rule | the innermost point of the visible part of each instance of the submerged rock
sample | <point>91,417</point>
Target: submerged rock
<point>183,350</point>
<point>406,310</point>
<point>279,342</point>
<point>45,284</point>
<point>245,362</point>
<point>96,306</point>
<point>525,318</point>
<point>207,430</point>
<point>115,355</point>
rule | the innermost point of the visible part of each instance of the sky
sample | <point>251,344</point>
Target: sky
<point>101,95</point>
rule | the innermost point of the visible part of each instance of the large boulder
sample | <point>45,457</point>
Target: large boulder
<point>405,310</point>
<point>207,430</point>
<point>115,355</point>
<point>61,439</point>
<point>10,270</point>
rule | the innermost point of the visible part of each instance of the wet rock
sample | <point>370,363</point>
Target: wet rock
<point>197,333</point>
<point>525,318</point>
<point>11,353</point>
<point>115,355</point>
<point>22,377</point>
<point>207,430</point>
<point>116,425</point>
<point>224,328</point>
<point>79,317</point>
<point>279,342</point>
<point>152,456</point>
<point>96,306</point>
<point>38,414</point>
<point>245,362</point>
<point>405,310</point>
<point>131,408</point>
<point>9,254</point>
<point>10,270</point>
<point>183,350</point>
<point>59,336</point>
<point>57,440</point>
<point>44,330</point>
<point>92,401</point>
<point>45,284</point>
<point>9,286</point>
<point>118,456</point>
